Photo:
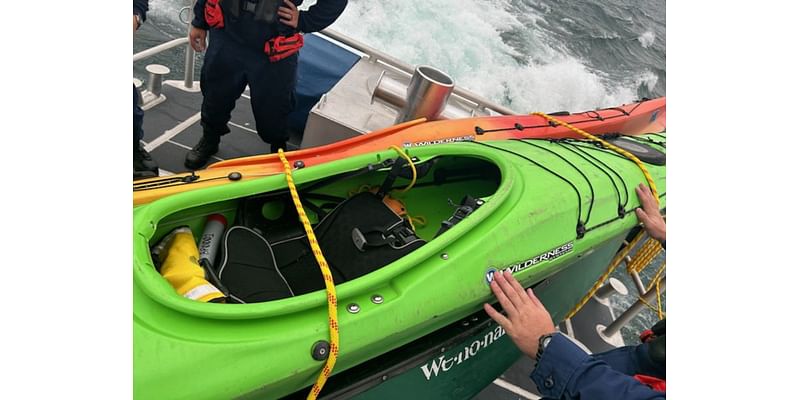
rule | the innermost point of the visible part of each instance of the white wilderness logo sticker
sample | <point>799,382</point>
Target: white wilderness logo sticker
<point>546,256</point>
<point>465,138</point>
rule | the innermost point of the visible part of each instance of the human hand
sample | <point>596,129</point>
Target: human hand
<point>527,320</point>
<point>197,38</point>
<point>289,14</point>
<point>135,24</point>
<point>649,215</point>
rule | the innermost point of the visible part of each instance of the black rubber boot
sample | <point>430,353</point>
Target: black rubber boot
<point>199,155</point>
<point>142,160</point>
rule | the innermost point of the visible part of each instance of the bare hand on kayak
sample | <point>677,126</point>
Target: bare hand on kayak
<point>649,215</point>
<point>197,38</point>
<point>289,14</point>
<point>526,319</point>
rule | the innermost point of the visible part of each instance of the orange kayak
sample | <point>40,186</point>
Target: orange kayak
<point>646,116</point>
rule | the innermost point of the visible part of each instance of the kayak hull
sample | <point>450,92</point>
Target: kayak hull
<point>536,193</point>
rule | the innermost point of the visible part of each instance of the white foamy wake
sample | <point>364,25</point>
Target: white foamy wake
<point>647,79</point>
<point>646,39</point>
<point>462,38</point>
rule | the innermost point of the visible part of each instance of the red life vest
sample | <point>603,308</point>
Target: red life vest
<point>213,14</point>
<point>656,384</point>
<point>650,335</point>
<point>277,48</point>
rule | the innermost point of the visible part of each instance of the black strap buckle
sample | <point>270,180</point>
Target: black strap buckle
<point>250,6</point>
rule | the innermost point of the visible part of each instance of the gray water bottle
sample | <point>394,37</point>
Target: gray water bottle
<point>212,236</point>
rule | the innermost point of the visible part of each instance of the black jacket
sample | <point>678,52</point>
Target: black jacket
<point>254,33</point>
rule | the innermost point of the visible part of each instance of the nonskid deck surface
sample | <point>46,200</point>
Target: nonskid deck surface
<point>172,128</point>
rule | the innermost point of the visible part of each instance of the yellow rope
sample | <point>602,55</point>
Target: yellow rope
<point>645,255</point>
<point>656,281</point>
<point>329,285</point>
<point>411,164</point>
<point>658,296</point>
<point>650,306</point>
<point>614,263</point>
<point>421,220</point>
<point>610,146</point>
<point>658,275</point>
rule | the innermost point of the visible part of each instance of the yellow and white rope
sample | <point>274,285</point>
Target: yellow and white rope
<point>611,267</point>
<point>330,288</point>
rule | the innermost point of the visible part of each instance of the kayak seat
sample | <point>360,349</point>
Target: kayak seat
<point>360,235</point>
<point>248,268</point>
<point>363,234</point>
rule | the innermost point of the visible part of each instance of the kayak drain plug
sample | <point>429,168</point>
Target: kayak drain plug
<point>320,350</point>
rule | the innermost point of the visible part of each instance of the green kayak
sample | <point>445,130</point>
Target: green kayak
<point>411,249</point>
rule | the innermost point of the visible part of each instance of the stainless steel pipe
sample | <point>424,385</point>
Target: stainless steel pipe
<point>427,94</point>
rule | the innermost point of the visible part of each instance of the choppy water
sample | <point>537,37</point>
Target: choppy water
<point>530,55</point>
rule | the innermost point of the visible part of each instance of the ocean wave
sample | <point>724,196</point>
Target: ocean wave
<point>647,79</point>
<point>464,39</point>
<point>647,39</point>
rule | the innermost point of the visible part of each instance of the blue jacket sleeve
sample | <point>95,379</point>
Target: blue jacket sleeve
<point>320,15</point>
<point>565,371</point>
<point>140,7</point>
<point>199,20</point>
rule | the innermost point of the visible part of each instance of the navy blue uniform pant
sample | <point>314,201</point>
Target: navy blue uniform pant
<point>138,118</point>
<point>227,69</point>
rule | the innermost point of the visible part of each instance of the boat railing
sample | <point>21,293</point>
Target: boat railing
<point>377,56</point>
<point>154,79</point>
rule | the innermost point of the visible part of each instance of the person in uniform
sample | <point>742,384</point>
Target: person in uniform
<point>143,164</point>
<point>252,43</point>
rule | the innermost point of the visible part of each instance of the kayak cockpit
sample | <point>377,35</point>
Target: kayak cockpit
<point>253,248</point>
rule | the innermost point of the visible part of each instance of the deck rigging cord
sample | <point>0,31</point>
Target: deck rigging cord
<point>597,163</point>
<point>625,153</point>
<point>480,131</point>
<point>621,255</point>
<point>589,182</point>
<point>581,225</point>
<point>330,288</point>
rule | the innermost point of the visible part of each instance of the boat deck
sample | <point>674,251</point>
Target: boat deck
<point>172,127</point>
